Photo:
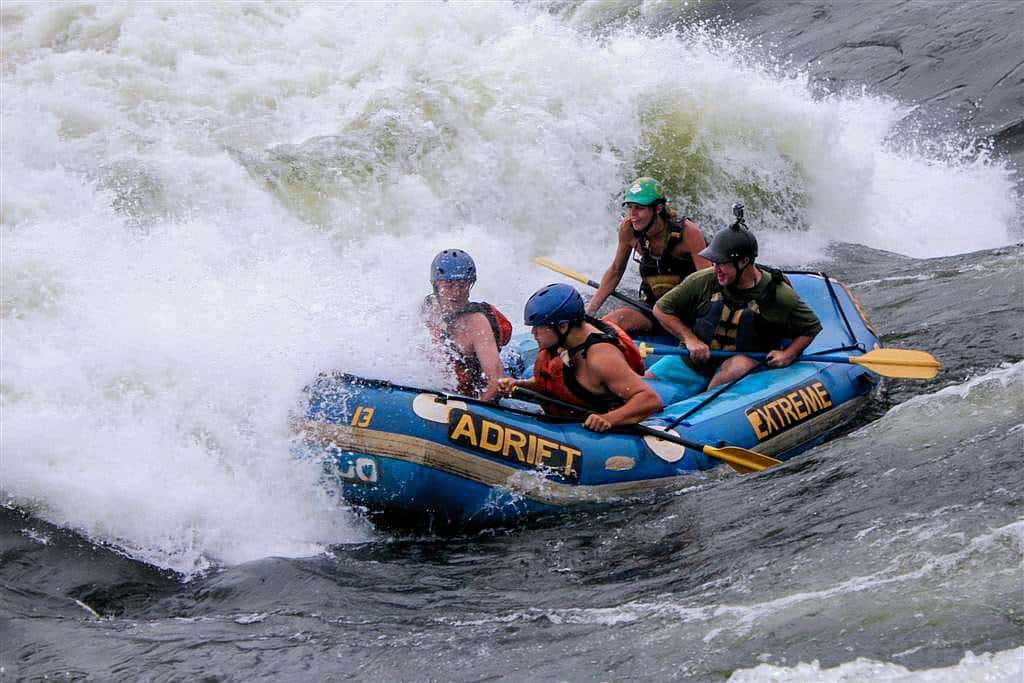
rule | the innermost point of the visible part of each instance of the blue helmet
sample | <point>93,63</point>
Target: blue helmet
<point>453,264</point>
<point>554,305</point>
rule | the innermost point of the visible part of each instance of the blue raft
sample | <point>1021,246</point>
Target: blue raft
<point>420,457</point>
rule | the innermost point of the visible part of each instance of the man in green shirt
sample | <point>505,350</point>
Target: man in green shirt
<point>735,306</point>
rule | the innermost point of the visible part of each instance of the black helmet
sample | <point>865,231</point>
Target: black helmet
<point>731,245</point>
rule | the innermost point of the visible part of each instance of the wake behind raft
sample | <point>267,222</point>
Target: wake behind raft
<point>414,457</point>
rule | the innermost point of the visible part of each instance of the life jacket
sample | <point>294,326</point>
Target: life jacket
<point>468,373</point>
<point>723,323</point>
<point>556,378</point>
<point>658,274</point>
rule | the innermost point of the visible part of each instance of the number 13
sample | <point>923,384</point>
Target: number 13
<point>362,417</point>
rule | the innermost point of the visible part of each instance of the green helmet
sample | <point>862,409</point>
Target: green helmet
<point>645,191</point>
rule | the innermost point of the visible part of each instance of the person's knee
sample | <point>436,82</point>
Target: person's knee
<point>738,364</point>
<point>629,320</point>
<point>615,316</point>
<point>733,368</point>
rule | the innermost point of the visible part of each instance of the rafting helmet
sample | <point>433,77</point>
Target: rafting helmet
<point>730,245</point>
<point>645,191</point>
<point>453,264</point>
<point>554,305</point>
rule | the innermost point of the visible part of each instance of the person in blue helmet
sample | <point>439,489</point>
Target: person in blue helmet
<point>470,334</point>
<point>584,361</point>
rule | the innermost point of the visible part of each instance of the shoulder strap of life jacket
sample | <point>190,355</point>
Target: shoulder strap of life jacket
<point>611,333</point>
<point>675,229</point>
<point>777,278</point>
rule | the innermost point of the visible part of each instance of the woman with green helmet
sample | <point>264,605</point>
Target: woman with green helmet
<point>667,249</point>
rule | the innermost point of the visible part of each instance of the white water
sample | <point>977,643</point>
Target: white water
<point>205,204</point>
<point>1001,667</point>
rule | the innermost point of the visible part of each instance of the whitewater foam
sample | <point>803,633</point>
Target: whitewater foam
<point>996,667</point>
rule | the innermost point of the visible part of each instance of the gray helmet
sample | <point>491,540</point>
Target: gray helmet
<point>731,245</point>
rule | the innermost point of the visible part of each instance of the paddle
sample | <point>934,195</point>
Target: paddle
<point>901,363</point>
<point>740,459</point>
<point>547,263</point>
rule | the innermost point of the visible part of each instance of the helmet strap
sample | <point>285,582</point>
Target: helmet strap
<point>562,336</point>
<point>739,271</point>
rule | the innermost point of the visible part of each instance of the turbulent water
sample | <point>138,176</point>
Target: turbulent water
<point>203,205</point>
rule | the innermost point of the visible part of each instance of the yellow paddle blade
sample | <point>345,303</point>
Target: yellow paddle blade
<point>903,363</point>
<point>740,469</point>
<point>742,460</point>
<point>559,269</point>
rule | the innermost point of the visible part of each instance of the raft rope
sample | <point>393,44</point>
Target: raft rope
<point>835,300</point>
<point>442,396</point>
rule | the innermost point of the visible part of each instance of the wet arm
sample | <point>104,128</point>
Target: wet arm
<point>678,298</point>
<point>611,278</point>
<point>693,243</point>
<point>675,325</point>
<point>487,355</point>
<point>803,325</point>
<point>785,357</point>
<point>640,398</point>
<point>508,385</point>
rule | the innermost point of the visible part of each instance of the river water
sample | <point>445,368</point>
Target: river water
<point>205,204</point>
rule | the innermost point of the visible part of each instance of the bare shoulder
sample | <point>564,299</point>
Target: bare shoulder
<point>607,358</point>
<point>693,238</point>
<point>692,230</point>
<point>472,324</point>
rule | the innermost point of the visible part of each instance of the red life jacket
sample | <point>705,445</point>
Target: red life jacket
<point>468,373</point>
<point>556,379</point>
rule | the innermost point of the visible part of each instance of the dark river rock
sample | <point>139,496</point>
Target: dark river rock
<point>962,57</point>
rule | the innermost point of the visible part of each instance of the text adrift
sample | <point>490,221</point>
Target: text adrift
<point>495,438</point>
<point>788,410</point>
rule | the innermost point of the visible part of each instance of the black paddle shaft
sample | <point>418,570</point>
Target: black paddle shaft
<point>644,308</point>
<point>642,429</point>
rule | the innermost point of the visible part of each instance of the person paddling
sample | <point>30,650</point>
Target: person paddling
<point>470,334</point>
<point>736,306</point>
<point>665,247</point>
<point>584,361</point>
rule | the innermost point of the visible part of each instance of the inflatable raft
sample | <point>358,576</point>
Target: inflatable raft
<point>419,457</point>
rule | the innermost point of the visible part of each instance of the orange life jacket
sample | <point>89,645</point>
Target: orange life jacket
<point>556,378</point>
<point>466,366</point>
